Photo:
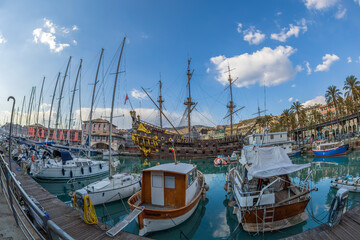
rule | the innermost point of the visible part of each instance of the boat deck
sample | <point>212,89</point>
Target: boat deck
<point>348,228</point>
<point>63,215</point>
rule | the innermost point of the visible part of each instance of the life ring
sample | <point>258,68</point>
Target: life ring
<point>186,141</point>
<point>170,139</point>
<point>155,137</point>
<point>162,138</point>
<point>178,140</point>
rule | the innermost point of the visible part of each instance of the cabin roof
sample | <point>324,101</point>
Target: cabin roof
<point>182,168</point>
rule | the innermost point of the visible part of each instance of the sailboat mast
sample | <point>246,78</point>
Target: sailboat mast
<point>37,116</point>
<point>51,107</point>
<point>189,103</point>
<point>160,101</point>
<point>231,105</point>
<point>60,97</point>
<point>112,105</point>
<point>93,98</point>
<point>72,101</point>
<point>27,122</point>
<point>17,121</point>
<point>22,111</point>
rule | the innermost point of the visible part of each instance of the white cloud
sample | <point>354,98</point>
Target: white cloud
<point>239,27</point>
<point>308,68</point>
<point>280,100</point>
<point>138,94</point>
<point>2,39</point>
<point>74,42</point>
<point>208,70</point>
<point>349,60</point>
<point>293,30</point>
<point>299,68</point>
<point>47,35</point>
<point>316,100</point>
<point>340,12</point>
<point>290,99</point>
<point>319,4</point>
<point>278,13</point>
<point>357,1</point>
<point>327,61</point>
<point>253,36</point>
<point>75,28</point>
<point>294,85</point>
<point>266,66</point>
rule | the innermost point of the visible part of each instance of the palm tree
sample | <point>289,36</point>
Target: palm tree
<point>285,118</point>
<point>351,86</point>
<point>332,95</point>
<point>296,107</point>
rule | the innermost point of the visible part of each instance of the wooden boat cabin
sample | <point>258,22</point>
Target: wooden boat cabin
<point>171,185</point>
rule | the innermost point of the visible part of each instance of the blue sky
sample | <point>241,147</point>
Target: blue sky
<point>297,48</point>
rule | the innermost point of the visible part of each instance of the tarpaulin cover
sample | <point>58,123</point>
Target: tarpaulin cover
<point>272,161</point>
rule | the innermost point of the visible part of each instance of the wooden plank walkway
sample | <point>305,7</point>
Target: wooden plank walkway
<point>348,228</point>
<point>63,215</point>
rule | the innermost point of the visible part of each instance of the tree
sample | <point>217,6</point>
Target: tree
<point>332,95</point>
<point>296,108</point>
<point>352,88</point>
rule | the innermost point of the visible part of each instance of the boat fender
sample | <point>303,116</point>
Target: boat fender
<point>140,183</point>
<point>90,170</point>
<point>82,170</point>
<point>100,166</point>
<point>71,174</point>
<point>63,171</point>
<point>206,187</point>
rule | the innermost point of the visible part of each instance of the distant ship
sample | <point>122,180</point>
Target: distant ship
<point>155,141</point>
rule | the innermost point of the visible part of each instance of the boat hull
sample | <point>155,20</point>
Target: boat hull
<point>284,216</point>
<point>294,153</point>
<point>339,151</point>
<point>351,188</point>
<point>114,194</point>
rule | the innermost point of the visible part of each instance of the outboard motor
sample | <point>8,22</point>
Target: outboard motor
<point>337,206</point>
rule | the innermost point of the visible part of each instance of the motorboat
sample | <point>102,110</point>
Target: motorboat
<point>223,160</point>
<point>349,182</point>
<point>266,198</point>
<point>330,149</point>
<point>62,166</point>
<point>169,195</point>
<point>114,188</point>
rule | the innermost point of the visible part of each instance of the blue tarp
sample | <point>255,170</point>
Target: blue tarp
<point>65,155</point>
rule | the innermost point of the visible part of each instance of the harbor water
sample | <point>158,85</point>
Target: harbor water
<point>213,219</point>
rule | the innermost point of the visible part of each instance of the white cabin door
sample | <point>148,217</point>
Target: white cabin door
<point>157,188</point>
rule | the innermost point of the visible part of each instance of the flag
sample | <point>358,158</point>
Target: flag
<point>172,149</point>
<point>126,98</point>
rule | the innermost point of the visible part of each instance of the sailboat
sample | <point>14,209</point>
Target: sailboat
<point>155,141</point>
<point>116,186</point>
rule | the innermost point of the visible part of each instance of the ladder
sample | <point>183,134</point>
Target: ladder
<point>126,221</point>
<point>268,215</point>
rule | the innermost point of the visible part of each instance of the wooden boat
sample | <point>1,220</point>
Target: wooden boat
<point>266,198</point>
<point>170,194</point>
<point>330,149</point>
<point>155,141</point>
<point>349,182</point>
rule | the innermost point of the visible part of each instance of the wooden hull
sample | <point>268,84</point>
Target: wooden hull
<point>152,220</point>
<point>154,142</point>
<point>284,216</point>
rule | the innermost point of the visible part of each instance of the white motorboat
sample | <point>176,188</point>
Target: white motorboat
<point>116,187</point>
<point>64,167</point>
<point>349,182</point>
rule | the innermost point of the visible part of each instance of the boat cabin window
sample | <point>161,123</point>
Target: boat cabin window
<point>169,181</point>
<point>157,181</point>
<point>191,177</point>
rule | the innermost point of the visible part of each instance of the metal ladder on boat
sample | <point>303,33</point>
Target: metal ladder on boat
<point>268,215</point>
<point>126,221</point>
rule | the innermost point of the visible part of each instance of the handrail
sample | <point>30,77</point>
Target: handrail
<point>262,190</point>
<point>50,226</point>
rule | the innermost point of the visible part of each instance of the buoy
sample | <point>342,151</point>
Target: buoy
<point>203,195</point>
<point>231,203</point>
<point>206,187</point>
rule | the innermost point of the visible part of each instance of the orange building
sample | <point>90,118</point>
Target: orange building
<point>62,134</point>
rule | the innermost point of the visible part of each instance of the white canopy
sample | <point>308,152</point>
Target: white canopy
<point>272,161</point>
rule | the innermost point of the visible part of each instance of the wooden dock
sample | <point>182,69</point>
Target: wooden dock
<point>348,228</point>
<point>64,216</point>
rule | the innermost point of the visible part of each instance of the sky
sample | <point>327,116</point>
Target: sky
<point>278,52</point>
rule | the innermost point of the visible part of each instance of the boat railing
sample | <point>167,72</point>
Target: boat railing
<point>266,188</point>
<point>13,191</point>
